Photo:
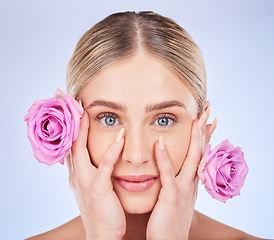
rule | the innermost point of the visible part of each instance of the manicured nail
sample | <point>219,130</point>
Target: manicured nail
<point>161,143</point>
<point>207,108</point>
<point>120,135</point>
<point>80,102</point>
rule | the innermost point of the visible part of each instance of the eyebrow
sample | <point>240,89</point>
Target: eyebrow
<point>166,104</point>
<point>149,108</point>
<point>109,104</point>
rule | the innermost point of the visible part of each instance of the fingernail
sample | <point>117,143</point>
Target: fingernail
<point>206,109</point>
<point>120,135</point>
<point>80,102</point>
<point>161,143</point>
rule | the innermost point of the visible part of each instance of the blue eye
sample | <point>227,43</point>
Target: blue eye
<point>108,119</point>
<point>165,120</point>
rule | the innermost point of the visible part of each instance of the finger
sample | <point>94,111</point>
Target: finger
<point>203,120</point>
<point>167,174</point>
<point>213,126</point>
<point>69,162</point>
<point>192,160</point>
<point>71,170</point>
<point>202,125</point>
<point>80,156</point>
<point>106,166</point>
<point>210,128</point>
<point>81,141</point>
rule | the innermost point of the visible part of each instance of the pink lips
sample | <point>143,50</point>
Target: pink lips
<point>139,183</point>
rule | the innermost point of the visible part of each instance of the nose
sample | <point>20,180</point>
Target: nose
<point>137,147</point>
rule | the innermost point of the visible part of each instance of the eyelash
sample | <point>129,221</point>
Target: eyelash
<point>164,115</point>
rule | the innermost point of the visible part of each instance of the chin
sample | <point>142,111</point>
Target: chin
<point>138,205</point>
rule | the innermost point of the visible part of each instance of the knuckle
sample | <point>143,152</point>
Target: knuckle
<point>107,160</point>
<point>110,154</point>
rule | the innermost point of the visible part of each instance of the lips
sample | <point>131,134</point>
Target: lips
<point>133,183</point>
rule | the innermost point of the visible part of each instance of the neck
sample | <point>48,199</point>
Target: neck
<point>136,226</point>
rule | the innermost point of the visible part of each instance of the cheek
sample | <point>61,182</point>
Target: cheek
<point>177,147</point>
<point>98,144</point>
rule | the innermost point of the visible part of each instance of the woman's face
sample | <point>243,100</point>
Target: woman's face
<point>147,99</point>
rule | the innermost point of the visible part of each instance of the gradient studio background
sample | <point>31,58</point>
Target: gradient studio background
<point>37,40</point>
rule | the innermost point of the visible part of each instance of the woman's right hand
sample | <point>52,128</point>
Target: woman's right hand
<point>102,214</point>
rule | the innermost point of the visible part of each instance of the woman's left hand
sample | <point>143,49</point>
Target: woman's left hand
<point>172,215</point>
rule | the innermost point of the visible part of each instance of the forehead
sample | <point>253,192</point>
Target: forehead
<point>143,79</point>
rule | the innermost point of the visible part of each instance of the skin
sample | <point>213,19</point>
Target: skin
<point>132,146</point>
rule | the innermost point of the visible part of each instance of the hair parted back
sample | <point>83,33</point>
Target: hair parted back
<point>121,35</point>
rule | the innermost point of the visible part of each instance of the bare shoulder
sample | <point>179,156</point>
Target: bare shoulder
<point>72,230</point>
<point>205,228</point>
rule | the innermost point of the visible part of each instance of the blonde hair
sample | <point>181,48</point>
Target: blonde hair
<point>120,35</point>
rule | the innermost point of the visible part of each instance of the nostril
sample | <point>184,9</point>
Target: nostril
<point>136,161</point>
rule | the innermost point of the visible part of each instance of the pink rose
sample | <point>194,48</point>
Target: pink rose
<point>53,124</point>
<point>223,171</point>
